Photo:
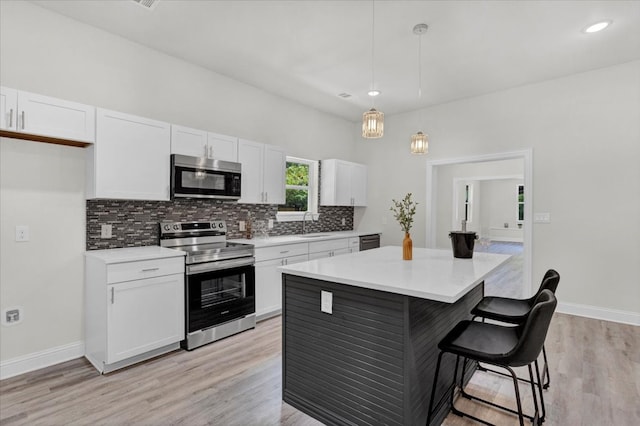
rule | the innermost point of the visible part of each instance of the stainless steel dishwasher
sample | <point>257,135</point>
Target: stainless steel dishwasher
<point>368,242</point>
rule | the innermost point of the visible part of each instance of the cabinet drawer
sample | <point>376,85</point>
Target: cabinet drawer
<point>318,246</point>
<point>276,252</point>
<point>128,271</point>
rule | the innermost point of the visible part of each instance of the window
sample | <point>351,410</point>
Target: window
<point>468,202</point>
<point>301,190</point>
<point>520,203</point>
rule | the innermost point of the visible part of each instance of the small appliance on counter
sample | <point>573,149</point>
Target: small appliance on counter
<point>219,280</point>
<point>462,242</point>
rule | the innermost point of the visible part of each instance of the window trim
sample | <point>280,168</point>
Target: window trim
<point>312,204</point>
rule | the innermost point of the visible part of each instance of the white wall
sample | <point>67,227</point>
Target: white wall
<point>585,134</point>
<point>46,53</point>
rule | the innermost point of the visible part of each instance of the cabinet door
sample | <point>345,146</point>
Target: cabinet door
<point>42,115</point>
<point>223,147</point>
<point>250,155</point>
<point>359,184</point>
<point>131,157</point>
<point>144,315</point>
<point>343,184</point>
<point>186,141</point>
<point>275,162</point>
<point>268,286</point>
<point>8,108</point>
<point>354,244</point>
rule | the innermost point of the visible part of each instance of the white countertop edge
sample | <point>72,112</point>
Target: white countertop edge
<point>134,254</point>
<point>298,238</point>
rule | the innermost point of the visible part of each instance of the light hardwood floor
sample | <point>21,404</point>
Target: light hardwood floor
<point>595,380</point>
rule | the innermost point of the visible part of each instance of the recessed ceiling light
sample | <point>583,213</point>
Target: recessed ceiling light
<point>598,26</point>
<point>373,92</point>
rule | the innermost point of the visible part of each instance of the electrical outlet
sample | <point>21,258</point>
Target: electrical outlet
<point>22,233</point>
<point>344,221</point>
<point>326,302</point>
<point>270,224</point>
<point>242,226</point>
<point>105,231</point>
<point>12,316</point>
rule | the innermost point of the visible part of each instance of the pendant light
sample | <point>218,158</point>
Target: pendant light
<point>372,120</point>
<point>419,141</point>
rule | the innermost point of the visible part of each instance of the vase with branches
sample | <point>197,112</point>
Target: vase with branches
<point>403,211</point>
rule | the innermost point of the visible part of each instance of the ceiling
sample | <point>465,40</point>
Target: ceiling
<point>311,51</point>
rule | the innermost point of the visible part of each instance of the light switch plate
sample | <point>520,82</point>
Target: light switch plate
<point>105,231</point>
<point>270,224</point>
<point>22,233</point>
<point>542,217</point>
<point>242,226</point>
<point>326,302</point>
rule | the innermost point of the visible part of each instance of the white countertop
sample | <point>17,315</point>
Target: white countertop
<point>432,274</point>
<point>133,254</point>
<point>301,238</point>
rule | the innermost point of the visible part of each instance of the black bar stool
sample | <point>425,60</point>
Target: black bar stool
<point>502,346</point>
<point>515,311</point>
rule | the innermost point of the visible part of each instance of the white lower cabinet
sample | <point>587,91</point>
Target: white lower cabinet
<point>269,278</point>
<point>134,310</point>
<point>144,315</point>
<point>328,248</point>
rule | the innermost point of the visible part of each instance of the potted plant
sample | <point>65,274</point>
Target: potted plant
<point>403,211</point>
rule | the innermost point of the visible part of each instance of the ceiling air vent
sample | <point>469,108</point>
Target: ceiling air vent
<point>147,4</point>
<point>344,95</point>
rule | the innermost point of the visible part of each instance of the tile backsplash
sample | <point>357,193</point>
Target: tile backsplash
<point>135,223</point>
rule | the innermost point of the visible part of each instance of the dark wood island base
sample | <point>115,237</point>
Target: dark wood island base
<point>372,360</point>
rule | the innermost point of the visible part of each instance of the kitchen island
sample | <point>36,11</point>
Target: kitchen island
<point>360,332</point>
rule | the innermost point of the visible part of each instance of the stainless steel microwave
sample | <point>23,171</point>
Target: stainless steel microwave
<point>198,177</point>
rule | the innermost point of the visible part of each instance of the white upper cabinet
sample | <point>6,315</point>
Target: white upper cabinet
<point>263,172</point>
<point>186,141</point>
<point>222,147</point>
<point>199,143</point>
<point>343,183</point>
<point>8,108</point>
<point>130,159</point>
<point>35,114</point>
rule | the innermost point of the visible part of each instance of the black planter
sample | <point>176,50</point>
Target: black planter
<point>462,244</point>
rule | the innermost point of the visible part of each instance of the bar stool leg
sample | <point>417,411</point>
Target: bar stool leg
<point>545,370</point>
<point>544,412</point>
<point>536,412</point>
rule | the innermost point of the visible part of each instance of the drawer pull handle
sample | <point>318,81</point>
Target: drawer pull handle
<point>150,269</point>
<point>11,118</point>
<point>285,251</point>
<point>112,296</point>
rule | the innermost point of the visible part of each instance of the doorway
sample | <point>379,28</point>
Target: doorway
<point>443,214</point>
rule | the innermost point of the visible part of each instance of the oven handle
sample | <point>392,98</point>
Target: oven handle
<point>219,265</point>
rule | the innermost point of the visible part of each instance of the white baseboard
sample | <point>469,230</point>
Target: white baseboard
<point>37,360</point>
<point>614,315</point>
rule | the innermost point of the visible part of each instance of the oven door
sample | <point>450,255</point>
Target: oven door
<point>217,292</point>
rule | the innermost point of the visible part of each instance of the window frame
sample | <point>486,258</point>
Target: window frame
<point>312,201</point>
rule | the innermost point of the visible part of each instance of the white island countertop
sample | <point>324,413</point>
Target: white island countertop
<point>432,274</point>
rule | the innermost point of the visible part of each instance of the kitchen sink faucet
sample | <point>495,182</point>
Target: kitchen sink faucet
<point>304,221</point>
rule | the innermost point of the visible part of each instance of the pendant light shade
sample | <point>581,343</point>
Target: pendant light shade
<point>372,124</point>
<point>372,120</point>
<point>419,143</point>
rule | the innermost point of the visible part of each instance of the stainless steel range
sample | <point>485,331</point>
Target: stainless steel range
<point>219,282</point>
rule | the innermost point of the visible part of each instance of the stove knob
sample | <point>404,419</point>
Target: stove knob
<point>167,227</point>
<point>176,227</point>
<point>220,225</point>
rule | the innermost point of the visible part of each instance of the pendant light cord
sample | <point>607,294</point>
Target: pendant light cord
<point>373,35</point>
